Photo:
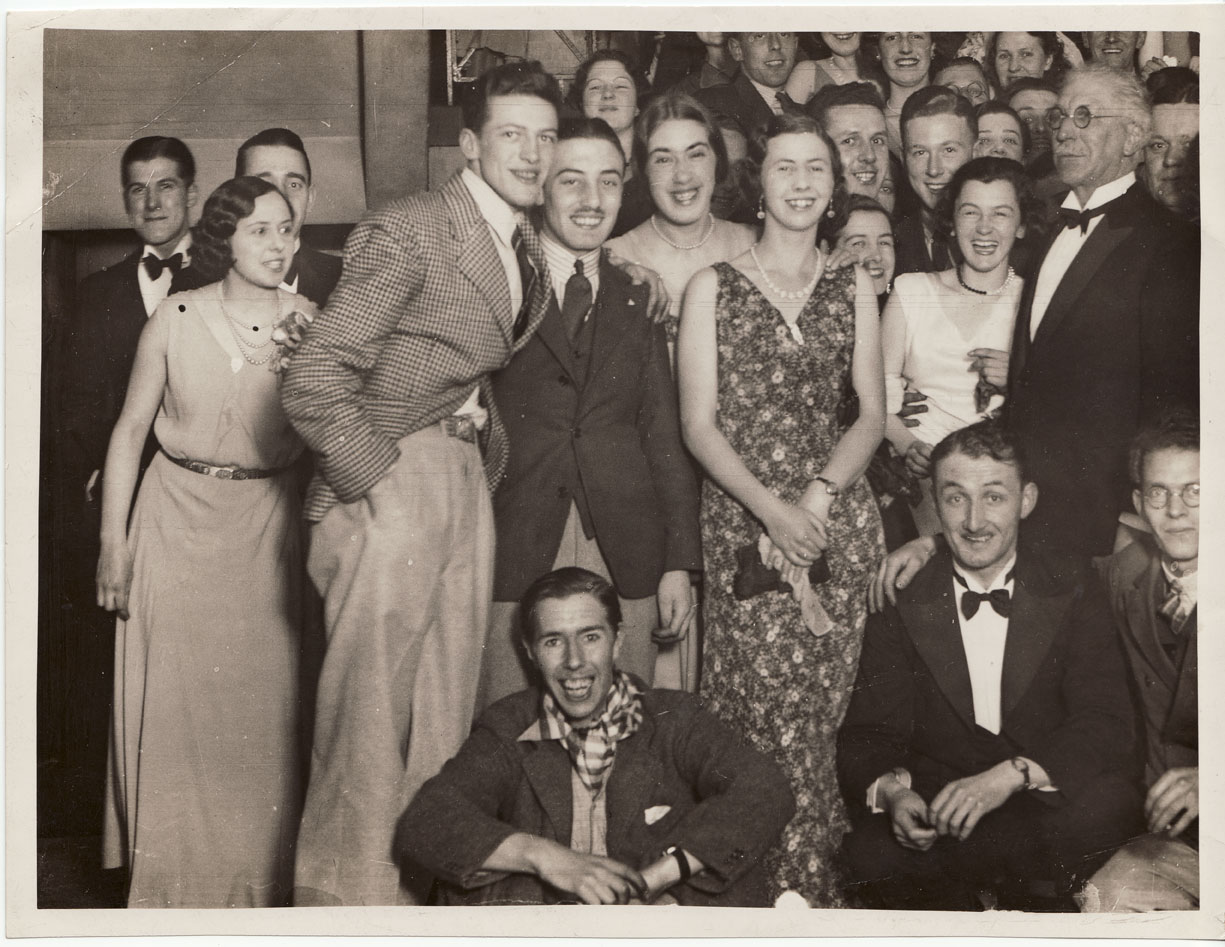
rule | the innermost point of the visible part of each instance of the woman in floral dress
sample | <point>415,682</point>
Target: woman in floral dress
<point>767,344</point>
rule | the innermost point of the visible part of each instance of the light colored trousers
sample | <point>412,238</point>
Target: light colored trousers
<point>1150,873</point>
<point>406,573</point>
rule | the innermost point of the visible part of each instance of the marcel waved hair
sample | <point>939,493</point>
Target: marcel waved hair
<point>564,583</point>
<point>232,202</point>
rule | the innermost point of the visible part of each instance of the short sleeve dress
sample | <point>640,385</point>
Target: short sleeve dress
<point>204,782</point>
<point>763,671</point>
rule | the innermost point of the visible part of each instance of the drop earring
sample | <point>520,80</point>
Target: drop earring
<point>761,208</point>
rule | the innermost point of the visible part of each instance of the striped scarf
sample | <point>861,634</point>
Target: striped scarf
<point>592,748</point>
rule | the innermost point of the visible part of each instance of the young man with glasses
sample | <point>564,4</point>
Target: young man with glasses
<point>1154,592</point>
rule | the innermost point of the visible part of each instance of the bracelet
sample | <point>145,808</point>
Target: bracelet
<point>681,860</point>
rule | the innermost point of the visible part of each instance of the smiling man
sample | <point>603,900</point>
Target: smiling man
<point>757,92</point>
<point>989,733</point>
<point>390,389</point>
<point>593,788</point>
<point>598,476</point>
<point>1115,48</point>
<point>853,115</point>
<point>938,133</point>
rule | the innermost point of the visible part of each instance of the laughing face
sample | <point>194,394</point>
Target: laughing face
<point>842,44</point>
<point>862,140</point>
<point>869,236</point>
<point>981,502</point>
<point>906,58</point>
<point>1116,48</point>
<point>986,223</point>
<point>575,648</point>
<point>583,193</point>
<point>681,171</point>
<point>767,58</point>
<point>262,244</point>
<point>936,146</point>
<point>797,180</point>
<point>514,147</point>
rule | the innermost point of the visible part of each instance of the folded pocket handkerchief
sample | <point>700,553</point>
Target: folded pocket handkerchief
<point>655,813</point>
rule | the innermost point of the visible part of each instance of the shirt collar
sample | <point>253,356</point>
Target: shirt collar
<point>498,214</point>
<point>1005,579</point>
<point>770,95</point>
<point>561,259</point>
<point>1105,193</point>
<point>183,246</point>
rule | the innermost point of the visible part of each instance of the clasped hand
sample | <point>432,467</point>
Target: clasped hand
<point>796,532</point>
<point>594,879</point>
<point>1172,803</point>
<point>954,812</point>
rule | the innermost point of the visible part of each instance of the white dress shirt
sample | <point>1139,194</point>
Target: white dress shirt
<point>983,637</point>
<point>153,291</point>
<point>1067,244</point>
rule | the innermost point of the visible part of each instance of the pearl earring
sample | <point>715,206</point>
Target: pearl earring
<point>761,208</point>
<point>830,213</point>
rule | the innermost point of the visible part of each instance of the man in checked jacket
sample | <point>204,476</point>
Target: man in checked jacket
<point>390,389</point>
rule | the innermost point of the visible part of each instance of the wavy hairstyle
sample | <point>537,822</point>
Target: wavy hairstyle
<point>749,171</point>
<point>232,202</point>
<point>565,583</point>
<point>676,106</point>
<point>986,170</point>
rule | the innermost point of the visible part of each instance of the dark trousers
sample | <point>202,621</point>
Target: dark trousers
<point>1028,839</point>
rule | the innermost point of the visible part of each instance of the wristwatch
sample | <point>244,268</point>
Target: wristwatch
<point>831,488</point>
<point>674,851</point>
<point>1022,766</point>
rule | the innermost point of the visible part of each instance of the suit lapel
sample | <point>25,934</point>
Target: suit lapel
<point>759,111</point>
<point>614,308</point>
<point>547,766</point>
<point>131,301</point>
<point>477,259</point>
<point>553,334</point>
<point>1105,239</point>
<point>1143,599</point>
<point>635,774</point>
<point>930,618</point>
<point>1032,627</point>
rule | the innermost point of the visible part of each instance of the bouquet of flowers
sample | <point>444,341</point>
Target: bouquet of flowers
<point>286,334</point>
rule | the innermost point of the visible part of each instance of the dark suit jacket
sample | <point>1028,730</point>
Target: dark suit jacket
<point>1167,695</point>
<point>613,434</point>
<point>911,246</point>
<point>318,274</point>
<point>100,348</point>
<point>728,803</point>
<point>1118,344</point>
<point>739,99</point>
<point>1064,689</point>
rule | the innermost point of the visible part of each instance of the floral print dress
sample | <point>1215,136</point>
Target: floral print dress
<point>763,670</point>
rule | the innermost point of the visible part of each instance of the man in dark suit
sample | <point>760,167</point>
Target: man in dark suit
<point>1154,591</point>
<point>277,155</point>
<point>938,132</point>
<point>756,94</point>
<point>989,734</point>
<point>597,476</point>
<point>594,788</point>
<point>1107,334</point>
<point>390,389</point>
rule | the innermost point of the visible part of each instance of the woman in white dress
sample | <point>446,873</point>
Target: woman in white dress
<point>948,334</point>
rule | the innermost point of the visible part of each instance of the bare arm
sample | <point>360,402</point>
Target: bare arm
<point>145,391</point>
<point>798,533</point>
<point>893,356</point>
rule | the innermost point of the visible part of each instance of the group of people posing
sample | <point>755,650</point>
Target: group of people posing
<point>606,437</point>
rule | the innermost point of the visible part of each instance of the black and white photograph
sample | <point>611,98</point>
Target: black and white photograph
<point>455,462</point>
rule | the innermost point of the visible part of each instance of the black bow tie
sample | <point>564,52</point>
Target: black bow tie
<point>1080,218</point>
<point>154,264</point>
<point>1000,600</point>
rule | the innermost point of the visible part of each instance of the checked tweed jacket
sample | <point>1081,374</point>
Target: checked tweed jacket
<point>422,314</point>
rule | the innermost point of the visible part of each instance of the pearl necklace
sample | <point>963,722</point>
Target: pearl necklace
<point>986,292</point>
<point>244,346</point>
<point>710,229</point>
<point>781,293</point>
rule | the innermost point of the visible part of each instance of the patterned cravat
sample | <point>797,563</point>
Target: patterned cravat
<point>1174,607</point>
<point>577,304</point>
<point>527,277</point>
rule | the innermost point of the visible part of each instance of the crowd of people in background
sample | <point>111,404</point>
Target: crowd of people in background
<point>733,452</point>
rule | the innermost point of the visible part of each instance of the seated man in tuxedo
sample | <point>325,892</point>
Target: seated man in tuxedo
<point>757,92</point>
<point>277,155</point>
<point>597,475</point>
<point>1154,590</point>
<point>594,788</point>
<point>989,734</point>
<point>938,134</point>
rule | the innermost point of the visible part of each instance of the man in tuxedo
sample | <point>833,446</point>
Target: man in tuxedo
<point>277,155</point>
<point>1107,335</point>
<point>390,389</point>
<point>989,734</point>
<point>592,787</point>
<point>598,476</point>
<point>757,92</point>
<point>938,133</point>
<point>853,115</point>
<point>1154,591</point>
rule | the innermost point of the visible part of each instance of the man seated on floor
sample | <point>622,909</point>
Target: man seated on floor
<point>1154,588</point>
<point>989,733</point>
<point>595,789</point>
